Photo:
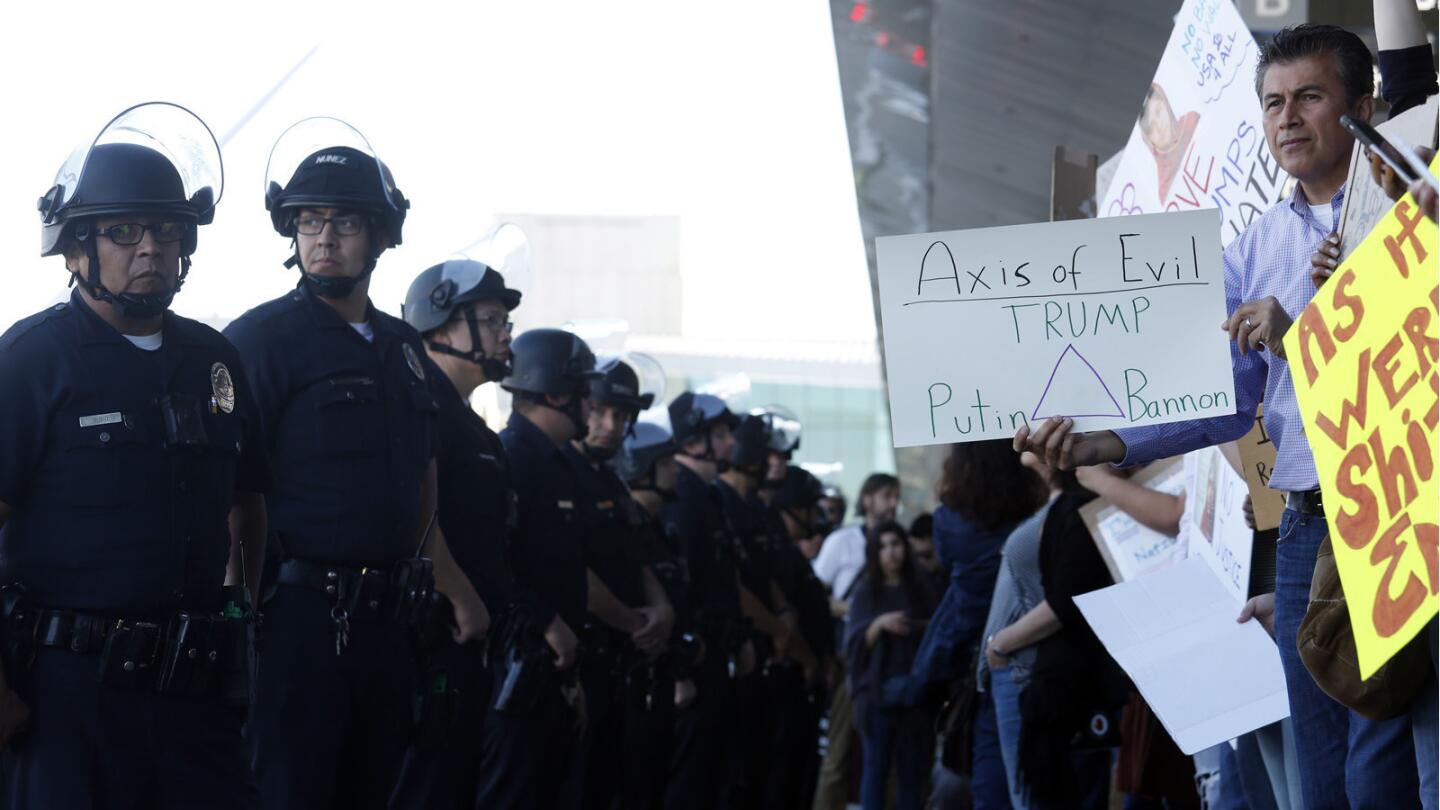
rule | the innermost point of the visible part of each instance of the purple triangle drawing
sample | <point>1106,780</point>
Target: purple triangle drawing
<point>1094,404</point>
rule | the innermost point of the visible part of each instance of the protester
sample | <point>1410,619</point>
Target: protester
<point>838,565</point>
<point>1306,78</point>
<point>922,549</point>
<point>1069,710</point>
<point>890,607</point>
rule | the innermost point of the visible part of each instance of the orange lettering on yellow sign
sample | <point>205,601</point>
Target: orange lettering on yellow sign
<point>1365,358</point>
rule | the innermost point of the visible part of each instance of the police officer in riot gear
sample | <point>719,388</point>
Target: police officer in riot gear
<point>795,504</point>
<point>704,766</point>
<point>783,428</point>
<point>349,419</point>
<point>461,308</point>
<point>128,436</point>
<point>631,618</point>
<point>780,647</point>
<point>646,462</point>
<point>538,703</point>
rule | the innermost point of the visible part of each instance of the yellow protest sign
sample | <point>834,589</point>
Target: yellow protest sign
<point>1363,356</point>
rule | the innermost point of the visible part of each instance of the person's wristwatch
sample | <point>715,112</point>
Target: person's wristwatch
<point>990,646</point>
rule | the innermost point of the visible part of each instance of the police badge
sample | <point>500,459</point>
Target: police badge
<point>222,388</point>
<point>412,361</point>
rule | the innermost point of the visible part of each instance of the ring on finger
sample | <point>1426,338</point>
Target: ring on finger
<point>1248,324</point>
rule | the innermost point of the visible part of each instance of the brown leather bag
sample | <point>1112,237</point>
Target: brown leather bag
<point>1327,647</point>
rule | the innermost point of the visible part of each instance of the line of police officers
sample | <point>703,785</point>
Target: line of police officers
<point>289,567</point>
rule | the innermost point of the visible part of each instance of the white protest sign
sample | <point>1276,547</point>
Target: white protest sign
<point>1198,142</point>
<point>1115,322</point>
<point>1129,547</point>
<point>1365,201</point>
<point>1208,678</point>
<point>1213,527</point>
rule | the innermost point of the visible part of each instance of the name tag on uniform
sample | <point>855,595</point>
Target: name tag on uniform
<point>564,505</point>
<point>101,419</point>
<point>604,504</point>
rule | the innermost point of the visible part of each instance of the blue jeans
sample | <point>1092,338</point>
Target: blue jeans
<point>1090,768</point>
<point>1007,725</point>
<point>904,738</point>
<point>1340,754</point>
<point>988,783</point>
<point>1425,723</point>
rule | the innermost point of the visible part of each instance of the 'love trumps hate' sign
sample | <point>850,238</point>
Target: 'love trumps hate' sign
<point>1114,322</point>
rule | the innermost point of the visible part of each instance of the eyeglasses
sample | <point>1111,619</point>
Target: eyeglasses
<point>313,224</point>
<point>130,233</point>
<point>495,323</point>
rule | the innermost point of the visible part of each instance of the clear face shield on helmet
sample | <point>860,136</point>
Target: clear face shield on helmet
<point>311,135</point>
<point>504,247</point>
<point>784,427</point>
<point>155,159</point>
<point>175,132</point>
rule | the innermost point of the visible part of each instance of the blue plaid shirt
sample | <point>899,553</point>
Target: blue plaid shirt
<point>1272,257</point>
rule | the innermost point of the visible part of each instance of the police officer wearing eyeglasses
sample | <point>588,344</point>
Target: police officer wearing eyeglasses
<point>461,308</point>
<point>348,413</point>
<point>130,481</point>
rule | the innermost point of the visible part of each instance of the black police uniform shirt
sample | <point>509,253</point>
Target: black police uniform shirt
<point>348,423</point>
<point>112,512</point>
<point>696,520</point>
<point>605,511</point>
<point>657,546</point>
<point>754,549</point>
<point>477,503</point>
<point>547,551</point>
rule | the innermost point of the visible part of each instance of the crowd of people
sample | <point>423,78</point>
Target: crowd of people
<point>289,566</point>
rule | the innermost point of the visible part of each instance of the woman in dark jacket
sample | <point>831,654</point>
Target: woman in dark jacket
<point>890,607</point>
<point>1070,706</point>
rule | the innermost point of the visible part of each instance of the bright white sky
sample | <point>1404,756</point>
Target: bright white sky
<point>728,116</point>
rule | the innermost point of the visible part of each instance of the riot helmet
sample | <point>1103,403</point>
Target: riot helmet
<point>552,362</point>
<point>630,383</point>
<point>438,291</point>
<point>155,159</point>
<point>646,444</point>
<point>752,446</point>
<point>691,417</point>
<point>326,163</point>
<point>798,496</point>
<point>784,428</point>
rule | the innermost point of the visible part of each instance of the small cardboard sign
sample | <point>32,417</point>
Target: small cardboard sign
<point>1257,461</point>
<point>1129,548</point>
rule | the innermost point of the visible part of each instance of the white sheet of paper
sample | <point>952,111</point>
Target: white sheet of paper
<point>1213,526</point>
<point>1111,321</point>
<point>1207,678</point>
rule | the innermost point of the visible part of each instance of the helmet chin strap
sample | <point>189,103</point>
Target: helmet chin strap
<point>495,369</point>
<point>132,305</point>
<point>573,412</point>
<point>331,286</point>
<point>598,454</point>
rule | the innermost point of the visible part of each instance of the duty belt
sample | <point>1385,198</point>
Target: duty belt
<point>1306,503</point>
<point>398,592</point>
<point>186,654</point>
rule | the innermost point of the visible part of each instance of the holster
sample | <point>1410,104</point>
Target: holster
<point>525,667</point>
<point>17,651</point>
<point>412,583</point>
<point>436,708</point>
